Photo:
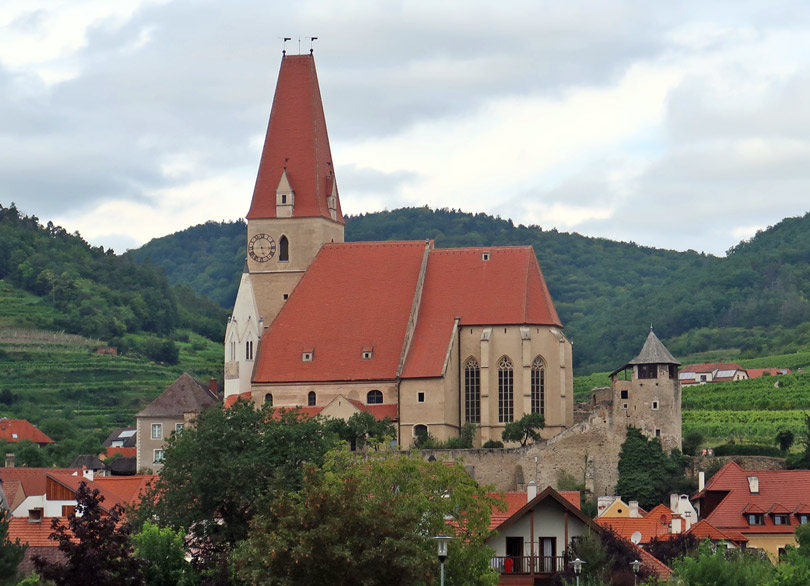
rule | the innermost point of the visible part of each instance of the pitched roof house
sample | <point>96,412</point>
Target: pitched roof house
<point>17,430</point>
<point>765,506</point>
<point>712,372</point>
<point>439,337</point>
<point>169,413</point>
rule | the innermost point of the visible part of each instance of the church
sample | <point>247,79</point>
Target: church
<point>431,338</point>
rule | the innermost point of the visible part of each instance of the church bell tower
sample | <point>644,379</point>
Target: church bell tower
<point>294,211</point>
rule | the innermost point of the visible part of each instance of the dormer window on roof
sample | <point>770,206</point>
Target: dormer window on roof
<point>368,352</point>
<point>307,355</point>
<point>485,256</point>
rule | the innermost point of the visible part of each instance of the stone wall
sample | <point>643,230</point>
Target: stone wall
<point>589,451</point>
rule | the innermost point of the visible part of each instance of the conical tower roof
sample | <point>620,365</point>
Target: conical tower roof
<point>654,352</point>
<point>296,142</point>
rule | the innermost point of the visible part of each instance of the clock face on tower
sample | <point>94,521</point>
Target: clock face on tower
<point>261,247</point>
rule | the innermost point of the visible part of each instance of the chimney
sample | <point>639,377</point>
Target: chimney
<point>633,509</point>
<point>87,473</point>
<point>673,503</point>
<point>9,460</point>
<point>212,385</point>
<point>602,503</point>
<point>676,525</point>
<point>701,480</point>
<point>531,491</point>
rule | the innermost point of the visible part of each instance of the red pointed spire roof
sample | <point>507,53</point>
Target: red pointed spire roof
<point>296,139</point>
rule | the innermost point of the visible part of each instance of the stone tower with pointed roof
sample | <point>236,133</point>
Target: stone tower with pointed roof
<point>646,393</point>
<point>295,209</point>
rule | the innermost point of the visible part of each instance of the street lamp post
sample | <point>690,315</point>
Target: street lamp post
<point>442,540</point>
<point>636,565</point>
<point>577,563</point>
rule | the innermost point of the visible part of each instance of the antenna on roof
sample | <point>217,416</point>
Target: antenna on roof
<point>651,329</point>
<point>284,45</point>
<point>310,43</point>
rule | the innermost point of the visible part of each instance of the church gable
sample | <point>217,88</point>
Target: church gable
<point>481,286</point>
<point>348,317</point>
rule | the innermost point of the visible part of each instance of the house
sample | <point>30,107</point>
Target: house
<point>758,372</point>
<point>532,540</point>
<point>440,337</point>
<point>642,527</point>
<point>17,430</point>
<point>764,506</point>
<point>712,372</point>
<point>169,413</point>
<point>123,441</point>
<point>614,506</point>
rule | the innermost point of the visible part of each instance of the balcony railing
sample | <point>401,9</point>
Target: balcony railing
<point>529,564</point>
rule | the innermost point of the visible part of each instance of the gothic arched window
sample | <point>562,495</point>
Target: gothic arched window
<point>311,398</point>
<point>374,398</point>
<point>539,386</point>
<point>506,390</point>
<point>283,249</point>
<point>268,399</point>
<point>472,392</point>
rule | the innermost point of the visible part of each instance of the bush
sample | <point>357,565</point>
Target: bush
<point>493,444</point>
<point>747,450</point>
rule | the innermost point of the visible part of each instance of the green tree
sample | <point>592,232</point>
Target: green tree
<point>794,568</point>
<point>371,522</point>
<point>362,429</point>
<point>218,473</point>
<point>96,547</point>
<point>785,439</point>
<point>691,442</point>
<point>646,473</point>
<point>163,551</point>
<point>718,566</point>
<point>526,428</point>
<point>11,552</point>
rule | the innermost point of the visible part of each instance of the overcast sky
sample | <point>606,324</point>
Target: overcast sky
<point>682,125</point>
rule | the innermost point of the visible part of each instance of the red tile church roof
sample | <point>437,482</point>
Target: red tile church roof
<point>357,296</point>
<point>507,289</point>
<point>296,139</point>
<point>353,296</point>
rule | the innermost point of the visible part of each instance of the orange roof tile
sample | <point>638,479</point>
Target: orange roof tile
<point>34,534</point>
<point>14,493</point>
<point>654,525</point>
<point>705,530</point>
<point>572,496</point>
<point>330,312</point>
<point>297,140</point>
<point>711,367</point>
<point>33,480</point>
<point>786,488</point>
<point>231,399</point>
<point>128,488</point>
<point>124,452</point>
<point>17,430</point>
<point>507,289</point>
<point>758,372</point>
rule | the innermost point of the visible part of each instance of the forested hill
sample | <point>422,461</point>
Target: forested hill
<point>607,293</point>
<point>95,293</point>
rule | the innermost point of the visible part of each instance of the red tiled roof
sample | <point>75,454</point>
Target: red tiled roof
<point>354,295</point>
<point>13,489</point>
<point>705,530</point>
<point>379,412</point>
<point>514,502</point>
<point>124,452</point>
<point>34,534</point>
<point>231,399</point>
<point>507,289</point>
<point>785,488</point>
<point>129,489</point>
<point>758,372</point>
<point>72,483</point>
<point>33,480</point>
<point>572,496</point>
<point>655,524</point>
<point>17,430</point>
<point>711,367</point>
<point>296,139</point>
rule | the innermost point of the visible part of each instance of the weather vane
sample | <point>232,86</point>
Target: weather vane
<point>284,44</point>
<point>311,39</point>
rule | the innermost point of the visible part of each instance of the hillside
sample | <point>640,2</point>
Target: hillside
<point>754,301</point>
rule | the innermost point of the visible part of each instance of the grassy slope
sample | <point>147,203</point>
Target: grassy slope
<point>54,375</point>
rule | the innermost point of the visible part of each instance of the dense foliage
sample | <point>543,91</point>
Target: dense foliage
<point>94,291</point>
<point>11,552</point>
<point>370,523</point>
<point>525,429</point>
<point>646,473</point>
<point>756,300</point>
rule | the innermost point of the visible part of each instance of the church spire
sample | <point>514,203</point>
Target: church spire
<point>296,147</point>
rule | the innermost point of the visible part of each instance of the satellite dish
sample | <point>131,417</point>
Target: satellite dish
<point>636,537</point>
